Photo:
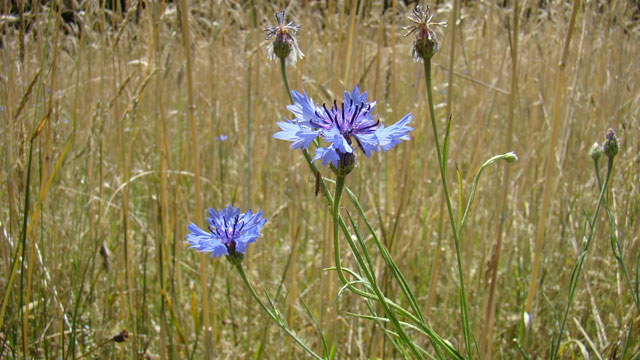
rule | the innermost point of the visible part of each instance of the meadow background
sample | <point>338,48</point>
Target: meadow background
<point>133,104</point>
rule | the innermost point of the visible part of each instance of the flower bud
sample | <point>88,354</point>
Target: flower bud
<point>235,257</point>
<point>511,157</point>
<point>346,163</point>
<point>596,151</point>
<point>610,146</point>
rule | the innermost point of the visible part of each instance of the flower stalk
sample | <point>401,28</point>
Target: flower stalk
<point>575,274</point>
<point>273,314</point>
<point>442,161</point>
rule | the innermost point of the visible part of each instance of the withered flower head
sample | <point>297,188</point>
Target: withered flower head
<point>285,44</point>
<point>425,44</point>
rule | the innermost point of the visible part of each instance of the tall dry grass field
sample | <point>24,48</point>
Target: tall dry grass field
<point>101,116</point>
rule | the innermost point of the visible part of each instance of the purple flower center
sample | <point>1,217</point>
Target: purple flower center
<point>350,120</point>
<point>229,232</point>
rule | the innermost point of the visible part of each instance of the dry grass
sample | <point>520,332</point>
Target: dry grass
<point>105,250</point>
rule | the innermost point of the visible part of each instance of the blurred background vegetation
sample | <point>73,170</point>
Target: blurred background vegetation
<point>103,104</point>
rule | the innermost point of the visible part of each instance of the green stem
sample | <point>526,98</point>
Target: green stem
<point>575,275</point>
<point>442,165</point>
<point>419,318</point>
<point>23,241</point>
<point>474,185</point>
<point>272,315</point>
<point>378,294</point>
<point>284,78</point>
<point>615,245</point>
<point>597,169</point>
<point>336,236</point>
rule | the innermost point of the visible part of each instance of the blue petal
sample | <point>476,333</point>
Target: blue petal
<point>303,108</point>
<point>337,140</point>
<point>368,143</point>
<point>358,98</point>
<point>300,137</point>
<point>205,242</point>
<point>244,240</point>
<point>327,155</point>
<point>391,136</point>
<point>355,96</point>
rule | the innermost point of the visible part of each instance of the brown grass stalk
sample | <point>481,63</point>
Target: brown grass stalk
<point>547,192</point>
<point>486,344</point>
<point>208,336</point>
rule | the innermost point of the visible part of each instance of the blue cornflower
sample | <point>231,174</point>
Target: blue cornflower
<point>230,232</point>
<point>344,127</point>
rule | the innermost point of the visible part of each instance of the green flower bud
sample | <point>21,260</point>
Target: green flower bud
<point>610,146</point>
<point>346,163</point>
<point>511,157</point>
<point>235,257</point>
<point>596,151</point>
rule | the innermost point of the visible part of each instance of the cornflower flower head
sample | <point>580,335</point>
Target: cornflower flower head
<point>425,45</point>
<point>285,44</point>
<point>345,127</point>
<point>229,233</point>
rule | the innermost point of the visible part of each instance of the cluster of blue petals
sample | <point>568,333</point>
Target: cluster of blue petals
<point>345,127</point>
<point>229,230</point>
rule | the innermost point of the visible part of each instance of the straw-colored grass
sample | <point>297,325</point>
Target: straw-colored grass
<point>111,130</point>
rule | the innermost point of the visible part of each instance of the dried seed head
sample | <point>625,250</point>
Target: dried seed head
<point>425,44</point>
<point>285,44</point>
